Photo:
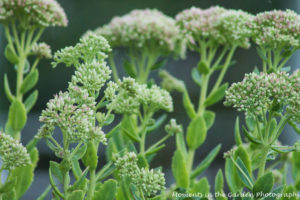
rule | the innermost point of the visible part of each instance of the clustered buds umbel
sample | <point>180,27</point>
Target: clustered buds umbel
<point>149,181</point>
<point>33,13</point>
<point>13,154</point>
<point>259,92</point>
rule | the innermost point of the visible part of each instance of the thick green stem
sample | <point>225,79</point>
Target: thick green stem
<point>92,185</point>
<point>66,183</point>
<point>190,160</point>
<point>204,86</point>
<point>262,165</point>
<point>113,67</point>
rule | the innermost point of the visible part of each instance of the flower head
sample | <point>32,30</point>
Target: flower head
<point>261,92</point>
<point>276,29</point>
<point>12,153</point>
<point>173,128</point>
<point>232,28</point>
<point>215,24</point>
<point>90,47</point>
<point>92,76</point>
<point>41,50</point>
<point>73,112</point>
<point>139,29</point>
<point>41,13</point>
<point>150,181</point>
<point>127,96</point>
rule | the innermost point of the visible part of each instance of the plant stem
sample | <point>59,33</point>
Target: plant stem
<point>204,85</point>
<point>224,69</point>
<point>66,183</point>
<point>264,154</point>
<point>190,160</point>
<point>113,67</point>
<point>91,190</point>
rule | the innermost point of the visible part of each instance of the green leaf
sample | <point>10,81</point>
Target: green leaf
<point>106,171</point>
<point>129,127</point>
<point>24,175</point>
<point>159,64</point>
<point>196,132</point>
<point>76,195</point>
<point>250,137</point>
<point>31,100</point>
<point>244,173</point>
<point>8,186</point>
<point>45,193</point>
<point>180,144</point>
<point>217,95</point>
<point>237,134</point>
<point>130,135</point>
<point>109,119</point>
<point>219,184</point>
<point>129,69</point>
<point>196,76</point>
<point>76,169</point>
<point>263,185</point>
<point>295,127</point>
<point>203,68</point>
<point>10,55</point>
<point>7,90</point>
<point>206,162</point>
<point>107,191</point>
<point>188,105</point>
<point>209,117</point>
<point>17,115</point>
<point>179,170</point>
<point>30,81</point>
<point>155,150</point>
<point>230,176</point>
<point>79,153</point>
<point>261,54</point>
<point>251,122</point>
<point>56,191</point>
<point>283,149</point>
<point>80,182</point>
<point>202,187</point>
<point>56,171</point>
<point>277,191</point>
<point>243,155</point>
<point>90,158</point>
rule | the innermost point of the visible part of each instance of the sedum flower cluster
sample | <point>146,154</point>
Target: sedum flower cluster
<point>13,154</point>
<point>139,29</point>
<point>40,13</point>
<point>260,92</point>
<point>149,181</point>
<point>276,29</point>
<point>215,24</point>
<point>90,47</point>
<point>127,96</point>
<point>41,50</point>
<point>74,111</point>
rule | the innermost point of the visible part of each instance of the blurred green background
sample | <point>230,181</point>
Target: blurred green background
<point>90,14</point>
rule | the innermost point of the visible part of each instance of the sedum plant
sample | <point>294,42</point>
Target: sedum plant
<point>24,21</point>
<point>102,115</point>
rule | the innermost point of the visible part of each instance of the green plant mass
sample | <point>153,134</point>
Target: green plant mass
<point>100,111</point>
